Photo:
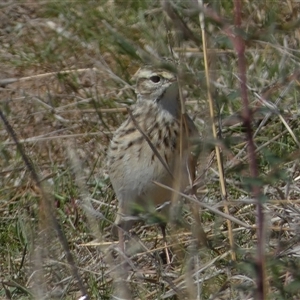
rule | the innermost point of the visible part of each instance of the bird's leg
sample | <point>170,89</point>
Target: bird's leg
<point>163,230</point>
<point>198,229</point>
<point>121,239</point>
<point>122,228</point>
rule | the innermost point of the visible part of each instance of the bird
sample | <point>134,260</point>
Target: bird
<point>151,149</point>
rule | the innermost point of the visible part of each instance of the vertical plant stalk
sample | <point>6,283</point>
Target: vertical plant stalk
<point>214,130</point>
<point>46,206</point>
<point>239,46</point>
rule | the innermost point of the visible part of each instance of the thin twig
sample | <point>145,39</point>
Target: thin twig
<point>6,81</point>
<point>239,45</point>
<point>206,206</point>
<point>64,136</point>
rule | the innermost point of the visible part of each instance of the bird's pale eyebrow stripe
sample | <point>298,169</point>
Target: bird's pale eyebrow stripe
<point>146,74</point>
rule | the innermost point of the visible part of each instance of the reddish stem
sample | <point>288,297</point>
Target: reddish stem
<point>239,45</point>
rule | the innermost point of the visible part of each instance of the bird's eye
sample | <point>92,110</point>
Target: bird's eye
<point>155,79</point>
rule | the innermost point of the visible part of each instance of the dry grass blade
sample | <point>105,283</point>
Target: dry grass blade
<point>214,130</point>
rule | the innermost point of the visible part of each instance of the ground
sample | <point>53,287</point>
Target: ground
<point>65,83</point>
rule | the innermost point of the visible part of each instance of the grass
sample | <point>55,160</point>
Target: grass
<point>74,62</point>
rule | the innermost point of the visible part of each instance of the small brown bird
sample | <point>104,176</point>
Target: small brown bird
<point>152,145</point>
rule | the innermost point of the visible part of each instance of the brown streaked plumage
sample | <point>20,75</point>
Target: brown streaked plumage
<point>155,121</point>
